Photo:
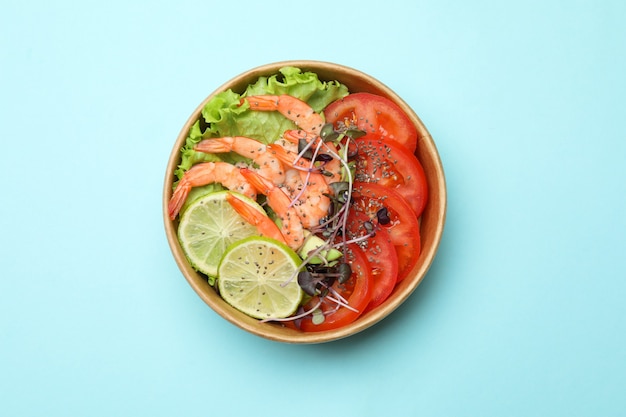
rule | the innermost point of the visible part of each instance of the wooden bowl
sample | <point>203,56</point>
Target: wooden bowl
<point>432,220</point>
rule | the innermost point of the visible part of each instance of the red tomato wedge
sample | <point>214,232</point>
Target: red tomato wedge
<point>381,255</point>
<point>357,291</point>
<point>403,226</point>
<point>391,165</point>
<point>376,115</point>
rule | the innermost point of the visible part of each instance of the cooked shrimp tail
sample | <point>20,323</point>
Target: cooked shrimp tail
<point>178,199</point>
<point>291,225</point>
<point>288,158</point>
<point>261,221</point>
<point>207,173</point>
<point>260,183</point>
<point>294,136</point>
<point>215,145</point>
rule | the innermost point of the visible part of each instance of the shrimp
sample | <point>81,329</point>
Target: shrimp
<point>306,119</point>
<point>307,188</point>
<point>268,165</point>
<point>294,109</point>
<point>206,173</point>
<point>261,221</point>
<point>291,225</point>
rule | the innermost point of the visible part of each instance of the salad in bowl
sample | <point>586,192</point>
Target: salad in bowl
<point>304,201</point>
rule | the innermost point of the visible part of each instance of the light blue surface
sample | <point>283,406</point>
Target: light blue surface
<point>522,313</point>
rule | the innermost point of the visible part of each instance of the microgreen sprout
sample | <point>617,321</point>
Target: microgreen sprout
<point>371,233</point>
<point>317,276</point>
<point>323,157</point>
<point>304,149</point>
<point>315,280</point>
<point>304,152</point>
<point>328,133</point>
<point>341,191</point>
<point>355,133</point>
<point>383,216</point>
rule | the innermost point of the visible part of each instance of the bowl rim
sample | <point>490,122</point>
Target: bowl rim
<point>436,206</point>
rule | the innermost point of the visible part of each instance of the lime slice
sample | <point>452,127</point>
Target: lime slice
<point>208,226</point>
<point>254,277</point>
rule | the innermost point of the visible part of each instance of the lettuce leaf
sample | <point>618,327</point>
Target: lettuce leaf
<point>224,116</point>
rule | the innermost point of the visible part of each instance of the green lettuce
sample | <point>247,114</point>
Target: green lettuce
<point>224,116</point>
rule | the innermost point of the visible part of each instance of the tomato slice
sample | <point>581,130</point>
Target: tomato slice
<point>380,253</point>
<point>390,164</point>
<point>357,291</point>
<point>403,226</point>
<point>376,115</point>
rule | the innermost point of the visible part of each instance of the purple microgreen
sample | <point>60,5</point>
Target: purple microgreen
<point>383,216</point>
<point>324,157</point>
<point>315,278</point>
<point>345,271</point>
<point>307,282</point>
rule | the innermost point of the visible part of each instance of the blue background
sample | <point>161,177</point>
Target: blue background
<point>521,314</point>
